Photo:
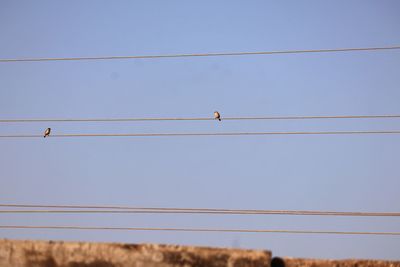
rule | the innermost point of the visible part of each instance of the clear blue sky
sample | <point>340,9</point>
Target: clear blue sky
<point>355,173</point>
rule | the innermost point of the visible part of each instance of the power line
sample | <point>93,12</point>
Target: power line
<point>199,230</point>
<point>201,119</point>
<point>122,209</point>
<point>193,211</point>
<point>203,134</point>
<point>354,49</point>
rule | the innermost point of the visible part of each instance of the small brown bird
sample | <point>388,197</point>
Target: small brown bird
<point>47,132</point>
<point>217,116</point>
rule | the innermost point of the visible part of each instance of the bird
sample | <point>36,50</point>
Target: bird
<point>47,132</point>
<point>217,116</point>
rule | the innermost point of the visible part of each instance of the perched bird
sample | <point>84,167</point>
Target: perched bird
<point>47,132</point>
<point>217,116</point>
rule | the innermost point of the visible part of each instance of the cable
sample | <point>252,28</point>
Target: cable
<point>218,212</point>
<point>201,119</point>
<point>122,209</point>
<point>202,134</point>
<point>201,54</point>
<point>197,230</point>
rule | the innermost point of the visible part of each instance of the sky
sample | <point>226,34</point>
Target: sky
<point>342,173</point>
